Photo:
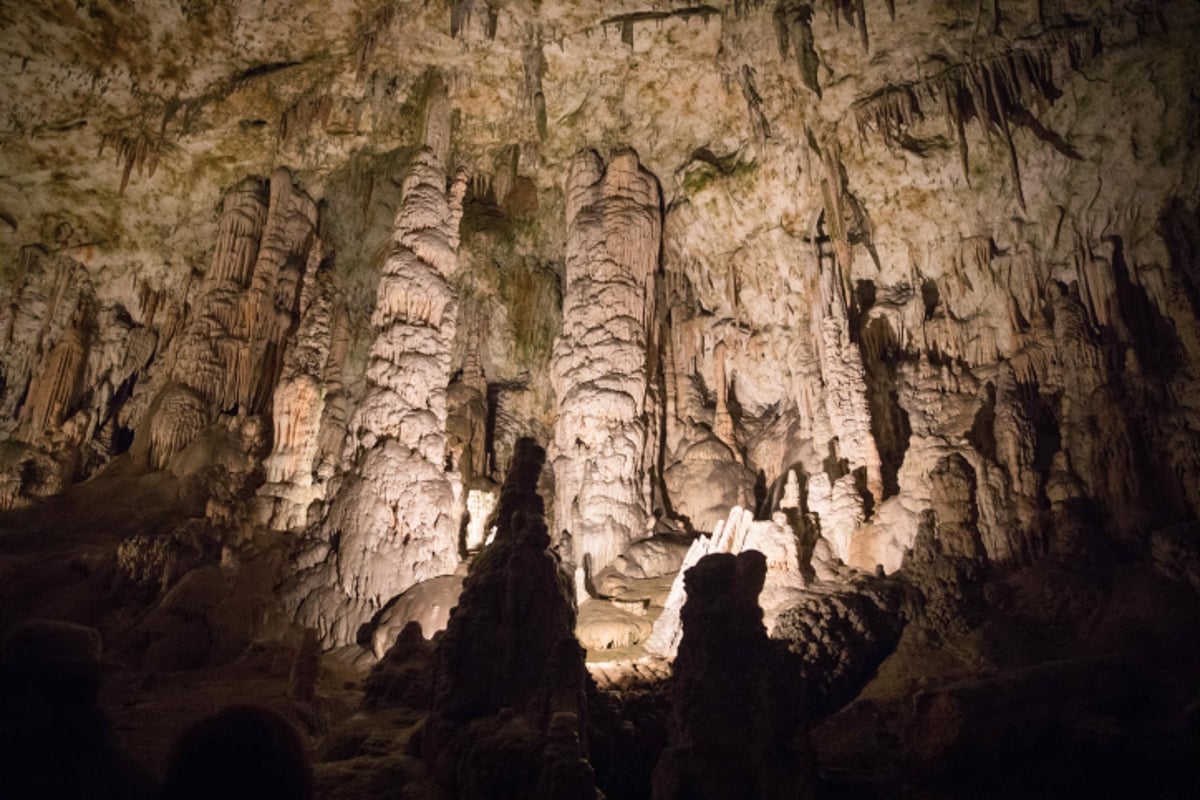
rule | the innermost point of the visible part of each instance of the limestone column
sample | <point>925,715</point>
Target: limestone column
<point>601,362</point>
<point>394,522</point>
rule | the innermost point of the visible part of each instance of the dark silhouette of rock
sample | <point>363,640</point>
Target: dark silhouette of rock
<point>55,742</point>
<point>508,718</point>
<point>841,637</point>
<point>736,726</point>
<point>240,752</point>
<point>949,597</point>
<point>306,668</point>
<point>404,676</point>
<point>627,730</point>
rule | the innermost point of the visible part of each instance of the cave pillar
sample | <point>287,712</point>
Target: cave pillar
<point>604,447</point>
<point>395,520</point>
<point>230,354</point>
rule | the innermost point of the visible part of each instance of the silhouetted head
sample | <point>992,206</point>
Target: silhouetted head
<point>49,669</point>
<point>241,752</point>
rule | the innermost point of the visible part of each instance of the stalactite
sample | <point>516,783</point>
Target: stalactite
<point>367,38</point>
<point>722,420</point>
<point>793,30</point>
<point>742,8</point>
<point>533,62</point>
<point>841,363</point>
<point>989,91</point>
<point>855,14</point>
<point>672,376</point>
<point>754,103</point>
<point>313,108</point>
<point>138,151</point>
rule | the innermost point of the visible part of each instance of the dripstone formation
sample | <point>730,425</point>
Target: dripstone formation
<point>736,728</point>
<point>509,710</point>
<point>904,297</point>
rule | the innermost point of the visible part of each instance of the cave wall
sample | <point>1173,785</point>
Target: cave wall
<point>856,240</point>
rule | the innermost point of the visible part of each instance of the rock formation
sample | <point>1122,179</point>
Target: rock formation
<point>903,296</point>
<point>394,520</point>
<point>508,715</point>
<point>229,356</point>
<point>736,726</point>
<point>299,405</point>
<point>604,442</point>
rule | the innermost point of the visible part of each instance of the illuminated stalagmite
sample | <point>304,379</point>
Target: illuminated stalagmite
<point>395,520</point>
<point>603,443</point>
<point>230,355</point>
<point>298,407</point>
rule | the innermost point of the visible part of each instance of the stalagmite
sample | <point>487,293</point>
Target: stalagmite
<point>34,320</point>
<point>841,363</point>
<point>270,310</point>
<point>603,449</point>
<point>54,386</point>
<point>791,492</point>
<point>395,519</point>
<point>466,424</point>
<point>773,538</point>
<point>736,710</point>
<point>298,407</point>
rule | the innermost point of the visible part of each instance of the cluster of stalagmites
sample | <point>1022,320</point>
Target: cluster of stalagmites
<point>508,696</point>
<point>229,355</point>
<point>85,378</point>
<point>1011,423</point>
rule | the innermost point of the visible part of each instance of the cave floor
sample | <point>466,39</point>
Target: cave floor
<point>1078,683</point>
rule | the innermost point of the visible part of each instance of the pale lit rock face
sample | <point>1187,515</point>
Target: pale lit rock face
<point>651,558</point>
<point>838,508</point>
<point>774,539</point>
<point>604,446</point>
<point>602,626</point>
<point>480,506</point>
<point>395,517</point>
<point>706,482</point>
<point>428,603</point>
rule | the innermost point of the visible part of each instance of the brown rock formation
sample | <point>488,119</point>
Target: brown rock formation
<point>736,725</point>
<point>509,716</point>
